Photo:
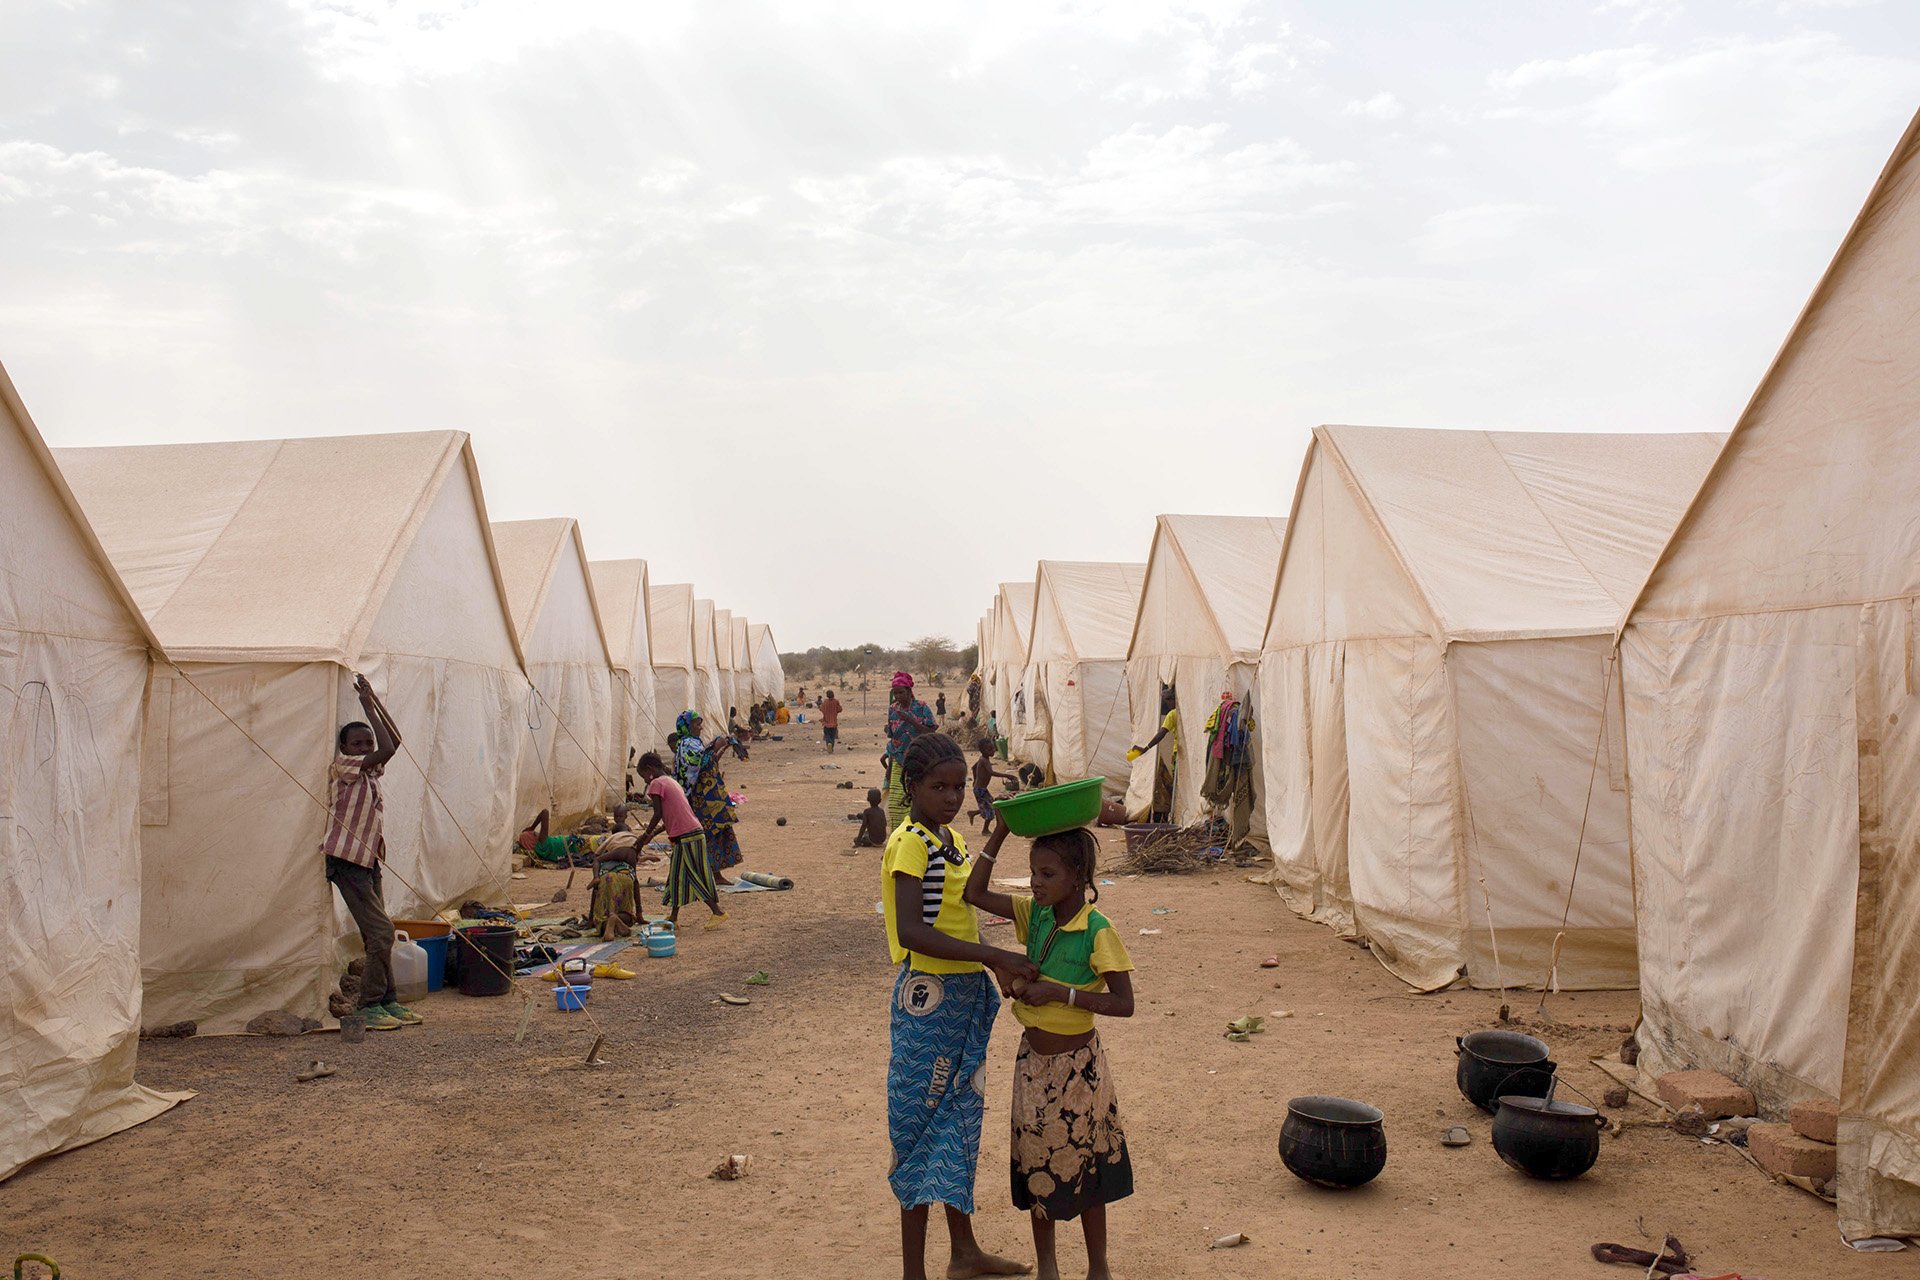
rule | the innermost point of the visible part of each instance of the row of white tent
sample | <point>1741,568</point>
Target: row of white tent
<point>179,625</point>
<point>1618,710</point>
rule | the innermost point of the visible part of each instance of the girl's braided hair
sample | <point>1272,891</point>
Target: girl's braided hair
<point>1078,851</point>
<point>926,753</point>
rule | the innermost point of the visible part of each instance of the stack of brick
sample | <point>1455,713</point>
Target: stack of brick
<point>1803,1147</point>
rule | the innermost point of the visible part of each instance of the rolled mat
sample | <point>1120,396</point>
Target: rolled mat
<point>766,881</point>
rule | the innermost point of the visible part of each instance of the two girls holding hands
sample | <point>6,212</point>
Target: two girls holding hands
<point>1069,1151</point>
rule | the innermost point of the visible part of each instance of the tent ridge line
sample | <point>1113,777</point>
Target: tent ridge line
<point>1494,444</point>
<point>1219,632</point>
<point>1790,344</point>
<point>390,565</point>
<point>1286,537</point>
<point>11,401</point>
<point>1380,527</point>
<point>493,552</point>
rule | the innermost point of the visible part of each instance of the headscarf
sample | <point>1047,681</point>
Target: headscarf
<point>901,680</point>
<point>684,722</point>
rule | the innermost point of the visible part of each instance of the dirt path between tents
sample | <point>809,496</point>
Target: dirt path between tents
<point>450,1150</point>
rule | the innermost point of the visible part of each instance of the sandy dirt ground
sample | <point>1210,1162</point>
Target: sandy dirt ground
<point>450,1150</point>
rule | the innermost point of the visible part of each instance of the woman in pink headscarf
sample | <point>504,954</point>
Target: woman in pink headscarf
<point>907,719</point>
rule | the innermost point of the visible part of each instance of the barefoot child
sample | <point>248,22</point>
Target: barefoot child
<point>943,1010</point>
<point>689,874</point>
<point>983,775</point>
<point>1069,1150</point>
<point>873,823</point>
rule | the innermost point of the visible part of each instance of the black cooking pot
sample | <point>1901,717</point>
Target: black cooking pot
<point>1543,1138</point>
<point>1335,1142</point>
<point>1494,1064</point>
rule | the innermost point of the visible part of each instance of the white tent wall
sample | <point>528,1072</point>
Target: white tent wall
<point>73,670</point>
<point>236,915</point>
<point>723,663</point>
<point>621,587</point>
<point>568,712</point>
<point>1203,610</point>
<point>706,660</point>
<point>769,674</point>
<point>676,680</point>
<point>1433,688</point>
<point>1013,617</point>
<point>1772,701</point>
<point>1078,715</point>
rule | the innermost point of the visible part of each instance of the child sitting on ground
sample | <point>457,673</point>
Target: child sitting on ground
<point>1069,1150</point>
<point>873,823</point>
<point>983,775</point>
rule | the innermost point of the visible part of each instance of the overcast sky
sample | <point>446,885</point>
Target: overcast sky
<point>918,293</point>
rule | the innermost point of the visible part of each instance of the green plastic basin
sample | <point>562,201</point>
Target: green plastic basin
<point>1057,808</point>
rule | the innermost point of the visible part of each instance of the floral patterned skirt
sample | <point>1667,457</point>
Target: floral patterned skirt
<point>1069,1150</point>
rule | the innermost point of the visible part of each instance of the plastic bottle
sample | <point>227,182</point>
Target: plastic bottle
<point>409,969</point>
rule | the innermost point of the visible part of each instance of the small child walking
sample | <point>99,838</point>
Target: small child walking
<point>1069,1148</point>
<point>689,871</point>
<point>943,1009</point>
<point>983,775</point>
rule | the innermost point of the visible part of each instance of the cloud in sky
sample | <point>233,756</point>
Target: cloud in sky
<point>916,294</point>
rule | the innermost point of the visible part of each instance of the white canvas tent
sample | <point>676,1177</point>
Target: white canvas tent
<point>676,678</point>
<point>723,662</point>
<point>568,717</point>
<point>1076,672</point>
<point>1772,671</point>
<point>73,674</point>
<point>769,674</point>
<point>1012,616</point>
<point>621,588</point>
<point>706,661</point>
<point>1203,613</point>
<point>272,570</point>
<point>1439,717</point>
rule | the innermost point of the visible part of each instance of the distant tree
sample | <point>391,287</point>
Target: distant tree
<point>934,656</point>
<point>969,659</point>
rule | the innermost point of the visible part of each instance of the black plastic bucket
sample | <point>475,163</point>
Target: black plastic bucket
<point>486,959</point>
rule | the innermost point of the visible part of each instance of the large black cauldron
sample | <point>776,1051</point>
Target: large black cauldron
<point>1543,1138</point>
<point>1495,1064</point>
<point>1335,1142</point>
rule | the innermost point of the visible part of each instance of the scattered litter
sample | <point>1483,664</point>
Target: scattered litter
<point>733,999</point>
<point>1456,1137</point>
<point>990,921</point>
<point>732,1169</point>
<point>830,766</point>
<point>1876,1244</point>
<point>759,978</point>
<point>1233,1241</point>
<point>1277,1014</point>
<point>1149,933</point>
<point>1163,911</point>
<point>280,1022</point>
<point>1672,1258</point>
<point>519,875</point>
<point>315,1071</point>
<point>1243,1029</point>
<point>172,1031</point>
<point>1271,962</point>
<point>1106,882</point>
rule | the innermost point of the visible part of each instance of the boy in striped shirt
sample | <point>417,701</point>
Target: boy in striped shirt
<point>355,845</point>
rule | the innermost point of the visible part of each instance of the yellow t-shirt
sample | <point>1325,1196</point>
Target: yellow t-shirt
<point>942,886</point>
<point>1171,723</point>
<point>1073,960</point>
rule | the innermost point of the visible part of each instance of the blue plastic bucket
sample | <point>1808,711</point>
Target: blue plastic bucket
<point>436,949</point>
<point>659,945</point>
<point>570,999</point>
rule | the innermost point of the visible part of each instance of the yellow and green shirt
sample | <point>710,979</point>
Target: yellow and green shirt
<point>1078,954</point>
<point>910,851</point>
